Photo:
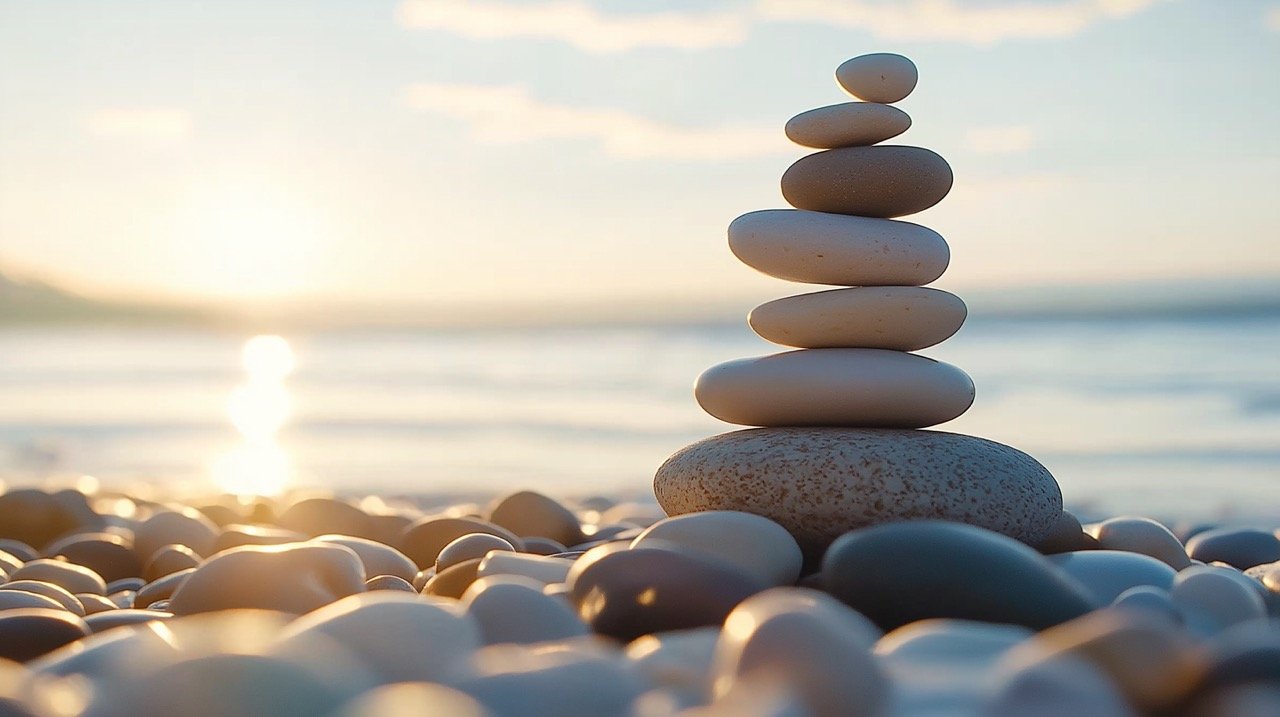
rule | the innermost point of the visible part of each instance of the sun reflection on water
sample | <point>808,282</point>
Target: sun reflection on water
<point>258,408</point>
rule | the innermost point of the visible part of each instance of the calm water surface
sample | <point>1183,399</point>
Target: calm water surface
<point>1162,416</point>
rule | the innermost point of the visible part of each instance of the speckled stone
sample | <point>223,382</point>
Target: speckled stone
<point>820,483</point>
<point>881,181</point>
<point>849,124</point>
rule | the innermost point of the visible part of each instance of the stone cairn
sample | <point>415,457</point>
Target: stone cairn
<point>839,444</point>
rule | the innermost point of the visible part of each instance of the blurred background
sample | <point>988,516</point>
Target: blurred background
<point>449,245</point>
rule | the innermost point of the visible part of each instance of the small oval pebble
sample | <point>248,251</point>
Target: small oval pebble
<point>510,608</point>
<point>1069,687</point>
<point>878,77</point>
<point>901,318</point>
<point>423,540</point>
<point>389,582</point>
<point>1241,548</point>
<point>809,641</point>
<point>527,513</point>
<point>56,593</point>
<point>318,516</point>
<point>294,578</point>
<point>1107,573</point>
<point>835,387</point>
<point>108,555</point>
<point>678,660</point>
<point>94,604</point>
<point>881,181</point>
<point>747,541</point>
<point>28,633</point>
<point>18,599</point>
<point>378,559</point>
<point>903,572</point>
<point>851,124</point>
<point>944,662</point>
<point>628,593</point>
<point>103,621</point>
<point>404,638</point>
<point>239,534</point>
<point>453,581</point>
<point>168,560</point>
<point>1142,535</point>
<point>187,527</point>
<point>1212,601</point>
<point>468,547</point>
<point>543,568</point>
<point>818,248</point>
<point>73,578</point>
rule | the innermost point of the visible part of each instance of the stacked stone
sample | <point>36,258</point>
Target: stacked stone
<point>839,445</point>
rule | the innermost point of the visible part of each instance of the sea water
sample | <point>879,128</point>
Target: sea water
<point>1162,415</point>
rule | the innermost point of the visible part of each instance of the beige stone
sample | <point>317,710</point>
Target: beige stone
<point>901,318</point>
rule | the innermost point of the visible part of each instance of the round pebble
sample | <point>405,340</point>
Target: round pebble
<point>57,593</point>
<point>107,554</point>
<point>752,543</point>
<point>185,526</point>
<point>468,547</point>
<point>879,77</point>
<point>513,609</point>
<point>377,558</point>
<point>29,632</point>
<point>1142,535</point>
<point>423,540</point>
<point>527,513</point>
<point>73,578</point>
<point>295,579</point>
<point>168,560</point>
<point>1107,573</point>
<point>1241,548</point>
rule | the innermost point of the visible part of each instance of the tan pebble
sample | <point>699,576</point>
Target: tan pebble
<point>95,603</point>
<point>528,513</point>
<point>378,558</point>
<point>73,578</point>
<point>107,554</point>
<point>66,599</point>
<point>454,581</point>
<point>318,516</point>
<point>852,124</point>
<point>900,318</point>
<point>878,77</point>
<point>168,560</point>
<point>466,547</point>
<point>835,387</point>
<point>423,540</point>
<point>161,588</point>
<point>28,633</point>
<point>881,181</point>
<point>1141,535</point>
<point>292,578</point>
<point>185,526</point>
<point>238,535</point>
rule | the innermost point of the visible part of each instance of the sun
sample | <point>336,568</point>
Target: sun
<point>246,239</point>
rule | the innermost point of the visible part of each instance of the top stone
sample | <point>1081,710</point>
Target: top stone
<point>881,77</point>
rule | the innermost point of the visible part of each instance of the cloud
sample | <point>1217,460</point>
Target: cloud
<point>999,140</point>
<point>578,23</point>
<point>980,24</point>
<point>510,115</point>
<point>152,124</point>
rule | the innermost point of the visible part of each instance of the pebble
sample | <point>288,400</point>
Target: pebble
<point>29,632</point>
<point>414,699</point>
<point>820,483</point>
<point>403,638</point>
<point>1142,535</point>
<point>940,666</point>
<point>883,181</point>
<point>1155,665</point>
<point>564,679</point>
<point>73,578</point>
<point>94,604</point>
<point>239,534</point>
<point>1212,600</point>
<point>1064,536</point>
<point>513,609</point>
<point>544,569</point>
<point>625,593</point>
<point>869,388</point>
<point>423,540</point>
<point>317,516</point>
<point>33,517</point>
<point>538,545</point>
<point>850,124</point>
<point>899,318</point>
<point>1243,654</point>
<point>453,581</point>
<point>127,617</point>
<point>1150,600</point>
<point>296,578</point>
<point>185,526</point>
<point>377,558</point>
<point>818,248</point>
<point>18,550</point>
<point>1241,548</point>
<point>389,582</point>
<point>528,514</point>
<point>1108,573</point>
<point>1069,687</point>
<point>168,560</point>
<point>57,593</point>
<point>18,599</point>
<point>109,555</point>
<point>749,542</point>
<point>468,547</point>
<point>808,641</point>
<point>879,77</point>
<point>902,572</point>
<point>10,562</point>
<point>679,661</point>
<point>160,589</point>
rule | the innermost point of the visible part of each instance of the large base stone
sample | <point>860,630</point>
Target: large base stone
<point>823,482</point>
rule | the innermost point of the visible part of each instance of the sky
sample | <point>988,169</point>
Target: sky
<point>531,151</point>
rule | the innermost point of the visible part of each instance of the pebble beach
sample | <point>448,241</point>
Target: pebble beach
<point>834,555</point>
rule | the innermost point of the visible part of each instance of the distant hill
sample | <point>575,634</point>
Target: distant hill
<point>30,301</point>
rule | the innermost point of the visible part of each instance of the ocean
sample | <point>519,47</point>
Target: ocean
<point>1161,414</point>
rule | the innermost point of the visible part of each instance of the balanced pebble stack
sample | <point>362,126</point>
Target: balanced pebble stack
<point>838,445</point>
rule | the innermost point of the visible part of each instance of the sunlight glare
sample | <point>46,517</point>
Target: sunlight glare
<point>258,408</point>
<point>267,358</point>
